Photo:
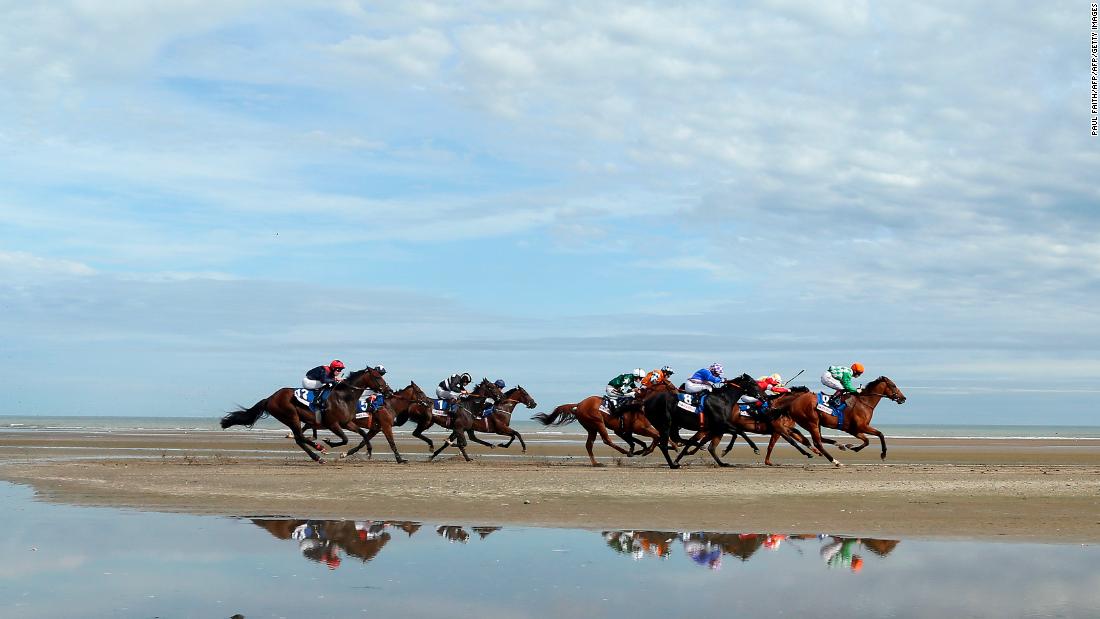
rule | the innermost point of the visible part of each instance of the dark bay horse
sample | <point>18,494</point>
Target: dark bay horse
<point>782,426</point>
<point>498,422</point>
<point>630,420</point>
<point>339,414</point>
<point>801,406</point>
<point>462,420</point>
<point>667,417</point>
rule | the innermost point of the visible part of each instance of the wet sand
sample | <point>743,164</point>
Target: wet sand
<point>1039,490</point>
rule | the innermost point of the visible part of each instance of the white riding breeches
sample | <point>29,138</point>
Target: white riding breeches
<point>694,387</point>
<point>311,384</point>
<point>830,382</point>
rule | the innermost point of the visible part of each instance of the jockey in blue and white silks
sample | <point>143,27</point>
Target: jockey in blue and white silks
<point>705,379</point>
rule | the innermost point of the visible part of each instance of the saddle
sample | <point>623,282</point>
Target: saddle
<point>368,404</point>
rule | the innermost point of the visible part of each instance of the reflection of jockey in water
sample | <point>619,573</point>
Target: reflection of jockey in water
<point>703,553</point>
<point>315,546</point>
<point>369,530</point>
<point>840,553</point>
<point>639,544</point>
<point>772,542</point>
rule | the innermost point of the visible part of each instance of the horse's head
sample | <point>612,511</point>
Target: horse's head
<point>487,389</point>
<point>748,386</point>
<point>371,378</point>
<point>519,394</point>
<point>418,393</point>
<point>886,388</point>
<point>413,394</point>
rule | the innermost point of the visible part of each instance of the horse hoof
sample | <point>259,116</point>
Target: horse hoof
<point>883,456</point>
<point>320,460</point>
<point>837,463</point>
<point>674,466</point>
<point>756,451</point>
<point>402,461</point>
<point>342,456</point>
<point>770,463</point>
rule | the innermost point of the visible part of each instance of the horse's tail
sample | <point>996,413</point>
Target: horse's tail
<point>245,416</point>
<point>562,415</point>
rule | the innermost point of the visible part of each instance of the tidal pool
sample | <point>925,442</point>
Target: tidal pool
<point>64,561</point>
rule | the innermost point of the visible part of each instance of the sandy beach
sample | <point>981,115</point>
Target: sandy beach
<point>1039,490</point>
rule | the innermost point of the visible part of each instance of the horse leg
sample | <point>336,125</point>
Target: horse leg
<point>462,445</point>
<point>419,433</point>
<point>771,446</point>
<point>520,437</point>
<point>607,439</point>
<point>475,439</point>
<point>881,439</point>
<point>387,429</point>
<point>714,439</point>
<point>363,433</point>
<point>588,446</point>
<point>300,439</point>
<point>729,447</point>
<point>741,431</point>
<point>861,436</point>
<point>375,427</point>
<point>447,443</point>
<point>339,432</point>
<point>509,443</point>
<point>815,434</point>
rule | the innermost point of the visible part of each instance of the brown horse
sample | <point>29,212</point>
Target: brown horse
<point>339,414</point>
<point>462,420</point>
<point>801,405</point>
<point>381,420</point>
<point>498,421</point>
<point>630,420</point>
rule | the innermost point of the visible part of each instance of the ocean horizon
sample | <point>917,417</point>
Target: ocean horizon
<point>123,423</point>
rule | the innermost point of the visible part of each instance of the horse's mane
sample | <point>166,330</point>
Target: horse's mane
<point>512,390</point>
<point>800,389</point>
<point>875,382</point>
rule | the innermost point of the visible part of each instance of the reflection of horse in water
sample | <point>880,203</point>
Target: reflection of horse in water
<point>640,544</point>
<point>484,532</point>
<point>324,540</point>
<point>707,549</point>
<point>453,533</point>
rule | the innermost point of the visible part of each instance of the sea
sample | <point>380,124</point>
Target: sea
<point>529,427</point>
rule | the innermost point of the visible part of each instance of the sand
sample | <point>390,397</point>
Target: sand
<point>1021,490</point>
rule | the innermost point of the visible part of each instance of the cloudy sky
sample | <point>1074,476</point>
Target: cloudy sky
<point>198,201</point>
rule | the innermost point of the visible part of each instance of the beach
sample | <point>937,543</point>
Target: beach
<point>1017,489</point>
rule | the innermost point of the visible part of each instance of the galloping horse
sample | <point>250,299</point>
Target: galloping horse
<point>782,426</point>
<point>381,420</point>
<point>801,405</point>
<point>339,413</point>
<point>498,421</point>
<point>462,420</point>
<point>664,412</point>
<point>630,420</point>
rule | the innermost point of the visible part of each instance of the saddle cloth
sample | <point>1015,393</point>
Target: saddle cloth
<point>305,396</point>
<point>691,402</point>
<point>823,405</point>
<point>368,403</point>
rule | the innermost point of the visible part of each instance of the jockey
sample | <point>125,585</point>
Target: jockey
<point>769,385</point>
<point>322,378</point>
<point>705,379</point>
<point>657,377</point>
<point>839,378</point>
<point>622,387</point>
<point>453,387</point>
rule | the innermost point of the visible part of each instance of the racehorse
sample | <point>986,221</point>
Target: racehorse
<point>498,421</point>
<point>782,426</point>
<point>462,418</point>
<point>667,417</point>
<point>339,411</point>
<point>381,419</point>
<point>801,405</point>
<point>630,420</point>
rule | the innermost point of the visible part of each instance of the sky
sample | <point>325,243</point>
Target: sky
<point>199,202</point>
